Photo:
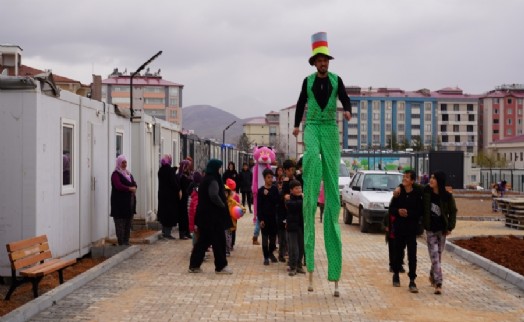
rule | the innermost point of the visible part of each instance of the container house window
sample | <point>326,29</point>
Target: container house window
<point>68,156</point>
<point>119,143</point>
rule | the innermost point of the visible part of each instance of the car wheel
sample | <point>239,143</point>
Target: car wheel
<point>348,217</point>
<point>363,224</point>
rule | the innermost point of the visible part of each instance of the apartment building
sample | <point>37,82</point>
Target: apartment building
<point>152,95</point>
<point>501,113</point>
<point>458,120</point>
<point>383,113</point>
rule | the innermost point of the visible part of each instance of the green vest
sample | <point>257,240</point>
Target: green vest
<point>315,115</point>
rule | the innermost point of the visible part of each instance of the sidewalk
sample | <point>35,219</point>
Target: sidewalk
<point>154,285</point>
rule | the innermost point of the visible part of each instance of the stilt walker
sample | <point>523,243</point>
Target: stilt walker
<point>321,158</point>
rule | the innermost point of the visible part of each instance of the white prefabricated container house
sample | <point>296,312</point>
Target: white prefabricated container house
<point>57,154</point>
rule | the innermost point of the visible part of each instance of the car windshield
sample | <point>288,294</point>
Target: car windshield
<point>343,170</point>
<point>381,181</point>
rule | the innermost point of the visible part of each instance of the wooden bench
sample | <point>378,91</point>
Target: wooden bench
<point>32,258</point>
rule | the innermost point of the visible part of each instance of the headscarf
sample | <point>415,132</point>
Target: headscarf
<point>440,176</point>
<point>197,178</point>
<point>213,168</point>
<point>166,160</point>
<point>118,168</point>
<point>184,168</point>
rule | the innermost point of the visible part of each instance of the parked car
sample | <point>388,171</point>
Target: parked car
<point>367,197</point>
<point>344,178</point>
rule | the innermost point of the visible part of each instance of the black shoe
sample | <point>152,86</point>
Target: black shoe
<point>168,237</point>
<point>413,287</point>
<point>281,259</point>
<point>273,258</point>
<point>391,269</point>
<point>266,261</point>
<point>402,270</point>
<point>396,280</point>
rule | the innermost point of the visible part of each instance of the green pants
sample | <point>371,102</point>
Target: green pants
<point>321,161</point>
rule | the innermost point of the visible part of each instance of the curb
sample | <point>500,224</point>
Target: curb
<point>46,300</point>
<point>490,266</point>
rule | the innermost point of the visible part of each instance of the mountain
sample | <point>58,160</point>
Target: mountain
<point>208,122</point>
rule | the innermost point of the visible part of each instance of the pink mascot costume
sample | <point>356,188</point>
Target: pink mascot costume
<point>264,156</point>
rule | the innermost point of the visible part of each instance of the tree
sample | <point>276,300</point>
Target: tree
<point>416,143</point>
<point>404,144</point>
<point>393,142</point>
<point>243,143</point>
<point>489,159</point>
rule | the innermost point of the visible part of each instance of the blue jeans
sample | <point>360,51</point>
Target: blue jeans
<point>256,232</point>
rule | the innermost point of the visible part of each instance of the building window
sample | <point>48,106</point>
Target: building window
<point>376,139</point>
<point>443,128</point>
<point>120,100</point>
<point>415,116</point>
<point>155,101</point>
<point>427,106</point>
<point>401,117</point>
<point>415,126</point>
<point>509,132</point>
<point>68,156</point>
<point>470,107</point>
<point>376,116</point>
<point>496,101</point>
<point>363,139</point>
<point>456,107</point>
<point>173,102</point>
<point>470,128</point>
<point>457,138</point>
<point>173,91</point>
<point>495,131</point>
<point>495,111</point>
<point>509,121</point>
<point>376,127</point>
<point>388,127</point>
<point>400,127</point>
<point>119,143</point>
<point>427,139</point>
<point>388,116</point>
<point>510,101</point>
<point>445,138</point>
<point>401,106</point>
<point>153,89</point>
<point>363,127</point>
<point>471,118</point>
<point>427,117</point>
<point>363,116</point>
<point>510,111</point>
<point>443,107</point>
<point>519,111</point>
<point>445,117</point>
<point>456,128</point>
<point>363,105</point>
<point>457,118</point>
<point>519,101</point>
<point>496,121</point>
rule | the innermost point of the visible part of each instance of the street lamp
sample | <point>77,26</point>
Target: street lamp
<point>224,139</point>
<point>133,76</point>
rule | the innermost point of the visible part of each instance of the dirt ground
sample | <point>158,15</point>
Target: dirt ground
<point>507,251</point>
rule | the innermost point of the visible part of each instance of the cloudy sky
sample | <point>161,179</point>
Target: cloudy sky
<point>249,57</point>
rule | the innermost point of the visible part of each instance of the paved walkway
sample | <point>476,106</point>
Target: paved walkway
<point>154,286</point>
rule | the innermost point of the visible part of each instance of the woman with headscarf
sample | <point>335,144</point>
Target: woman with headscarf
<point>168,196</point>
<point>184,180</point>
<point>123,200</point>
<point>439,218</point>
<point>231,173</point>
<point>212,218</point>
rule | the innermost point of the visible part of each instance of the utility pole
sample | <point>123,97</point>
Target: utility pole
<point>131,81</point>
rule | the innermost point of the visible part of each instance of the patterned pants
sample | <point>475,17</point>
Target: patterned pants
<point>123,230</point>
<point>321,161</point>
<point>436,243</point>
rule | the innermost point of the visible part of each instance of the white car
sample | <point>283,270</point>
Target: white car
<point>367,197</point>
<point>343,178</point>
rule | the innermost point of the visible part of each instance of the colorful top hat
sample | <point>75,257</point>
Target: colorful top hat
<point>320,46</point>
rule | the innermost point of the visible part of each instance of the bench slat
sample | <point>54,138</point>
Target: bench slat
<point>48,267</point>
<point>29,251</point>
<point>14,246</point>
<point>24,262</point>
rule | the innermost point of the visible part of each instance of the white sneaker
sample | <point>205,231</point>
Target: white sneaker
<point>226,271</point>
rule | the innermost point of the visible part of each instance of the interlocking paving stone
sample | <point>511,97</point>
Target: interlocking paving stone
<point>154,285</point>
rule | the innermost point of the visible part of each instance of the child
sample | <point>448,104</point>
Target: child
<point>321,200</point>
<point>295,228</point>
<point>494,194</point>
<point>289,174</point>
<point>267,200</point>
<point>233,200</point>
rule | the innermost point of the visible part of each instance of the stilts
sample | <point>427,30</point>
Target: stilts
<point>337,293</point>
<point>310,287</point>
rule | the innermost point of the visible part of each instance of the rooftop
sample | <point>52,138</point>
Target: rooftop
<point>139,81</point>
<point>515,139</point>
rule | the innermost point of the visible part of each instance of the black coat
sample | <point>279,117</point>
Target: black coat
<point>123,203</point>
<point>295,216</point>
<point>405,226</point>
<point>267,208</point>
<point>245,180</point>
<point>168,196</point>
<point>208,215</point>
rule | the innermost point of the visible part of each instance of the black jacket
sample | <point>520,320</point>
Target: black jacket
<point>405,226</point>
<point>267,208</point>
<point>295,216</point>
<point>245,180</point>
